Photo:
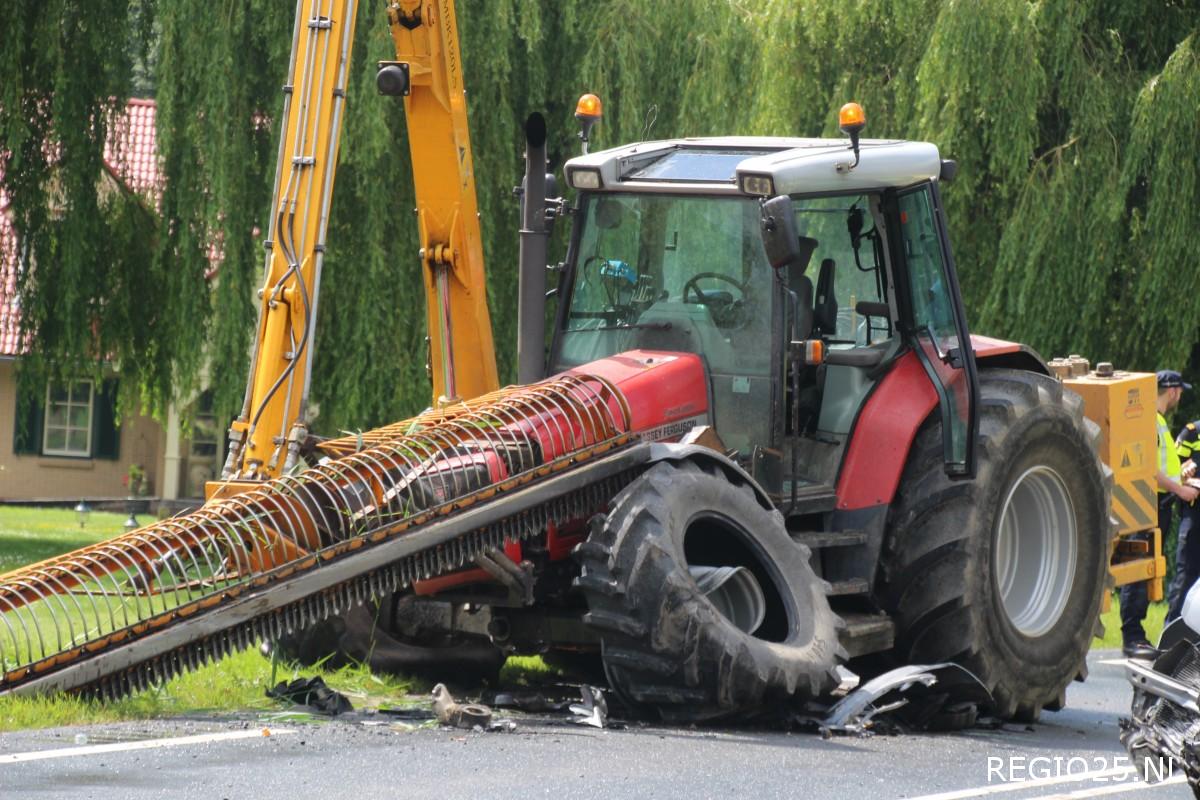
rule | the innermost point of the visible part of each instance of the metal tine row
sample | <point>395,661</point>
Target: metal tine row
<point>374,585</point>
<point>430,417</point>
<point>57,605</point>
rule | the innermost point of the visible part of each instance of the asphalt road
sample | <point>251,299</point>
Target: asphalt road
<point>1071,754</point>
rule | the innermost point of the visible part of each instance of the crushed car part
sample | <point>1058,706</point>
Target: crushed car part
<point>364,635</point>
<point>313,693</point>
<point>931,695</point>
<point>593,710</point>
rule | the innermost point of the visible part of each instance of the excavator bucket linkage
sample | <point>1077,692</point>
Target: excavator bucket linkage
<point>425,498</point>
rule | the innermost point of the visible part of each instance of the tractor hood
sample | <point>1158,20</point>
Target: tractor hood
<point>666,393</point>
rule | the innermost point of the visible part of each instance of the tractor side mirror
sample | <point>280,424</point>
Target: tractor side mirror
<point>786,248</point>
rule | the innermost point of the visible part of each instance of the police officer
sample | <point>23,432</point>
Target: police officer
<point>1187,547</point>
<point>1134,601</point>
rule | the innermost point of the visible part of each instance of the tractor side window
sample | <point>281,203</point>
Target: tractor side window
<point>608,273</point>
<point>938,331</point>
<point>844,269</point>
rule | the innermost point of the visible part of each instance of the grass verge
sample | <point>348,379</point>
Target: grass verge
<point>237,683</point>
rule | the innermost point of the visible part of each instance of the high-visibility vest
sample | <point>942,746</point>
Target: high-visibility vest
<point>1168,458</point>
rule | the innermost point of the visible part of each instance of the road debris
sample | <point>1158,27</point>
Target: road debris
<point>593,710</point>
<point>312,693</point>
<point>528,701</point>
<point>459,715</point>
<point>914,697</point>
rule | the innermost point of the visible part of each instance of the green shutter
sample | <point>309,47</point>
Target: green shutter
<point>106,437</point>
<point>27,430</point>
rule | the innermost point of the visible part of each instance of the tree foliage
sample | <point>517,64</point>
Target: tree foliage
<point>1074,123</point>
<point>92,293</point>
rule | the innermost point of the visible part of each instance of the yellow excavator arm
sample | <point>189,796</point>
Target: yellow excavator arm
<point>430,79</point>
<point>266,437</point>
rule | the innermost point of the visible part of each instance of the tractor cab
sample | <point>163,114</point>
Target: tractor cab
<point>799,270</point>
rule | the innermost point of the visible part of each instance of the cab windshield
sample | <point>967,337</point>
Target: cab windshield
<point>670,272</point>
<point>688,274</point>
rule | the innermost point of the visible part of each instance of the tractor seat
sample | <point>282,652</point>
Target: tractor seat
<point>691,331</point>
<point>802,286</point>
<point>825,309</point>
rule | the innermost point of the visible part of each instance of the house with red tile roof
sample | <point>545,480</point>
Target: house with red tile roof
<point>68,444</point>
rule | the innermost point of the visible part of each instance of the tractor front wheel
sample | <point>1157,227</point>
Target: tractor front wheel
<point>705,606</point>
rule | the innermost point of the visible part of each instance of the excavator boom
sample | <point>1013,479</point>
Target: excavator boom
<point>266,438</point>
<point>462,357</point>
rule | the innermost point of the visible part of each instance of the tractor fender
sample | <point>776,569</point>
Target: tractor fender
<point>999,354</point>
<point>701,455</point>
<point>895,410</point>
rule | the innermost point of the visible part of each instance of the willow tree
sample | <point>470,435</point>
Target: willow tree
<point>87,286</point>
<point>219,72</point>
<point>1073,121</point>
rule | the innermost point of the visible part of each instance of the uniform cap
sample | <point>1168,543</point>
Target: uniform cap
<point>1169,378</point>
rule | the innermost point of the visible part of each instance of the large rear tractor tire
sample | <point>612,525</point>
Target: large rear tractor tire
<point>666,645</point>
<point>1004,574</point>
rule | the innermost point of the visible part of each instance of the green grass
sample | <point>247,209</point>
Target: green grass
<point>237,683</point>
<point>35,534</point>
<point>1112,625</point>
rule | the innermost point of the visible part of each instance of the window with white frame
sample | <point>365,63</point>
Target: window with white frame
<point>68,430</point>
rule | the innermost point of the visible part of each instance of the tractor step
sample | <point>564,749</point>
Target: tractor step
<point>867,633</point>
<point>820,539</point>
<point>849,586</point>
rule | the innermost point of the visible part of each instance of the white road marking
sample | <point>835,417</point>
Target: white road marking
<point>147,744</point>
<point>1120,662</point>
<point>1115,773</point>
<point>1118,788</point>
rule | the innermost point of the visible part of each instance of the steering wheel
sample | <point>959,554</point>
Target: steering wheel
<point>725,313</point>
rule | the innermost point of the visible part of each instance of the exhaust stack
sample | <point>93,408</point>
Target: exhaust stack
<point>531,303</point>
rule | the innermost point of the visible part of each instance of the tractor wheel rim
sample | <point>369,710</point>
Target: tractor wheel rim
<point>1036,550</point>
<point>735,593</point>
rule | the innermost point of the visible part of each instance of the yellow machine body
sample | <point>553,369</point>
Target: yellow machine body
<point>1123,405</point>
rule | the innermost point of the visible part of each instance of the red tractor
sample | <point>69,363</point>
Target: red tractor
<point>858,478</point>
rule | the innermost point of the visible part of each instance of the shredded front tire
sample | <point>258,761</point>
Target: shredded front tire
<point>665,646</point>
